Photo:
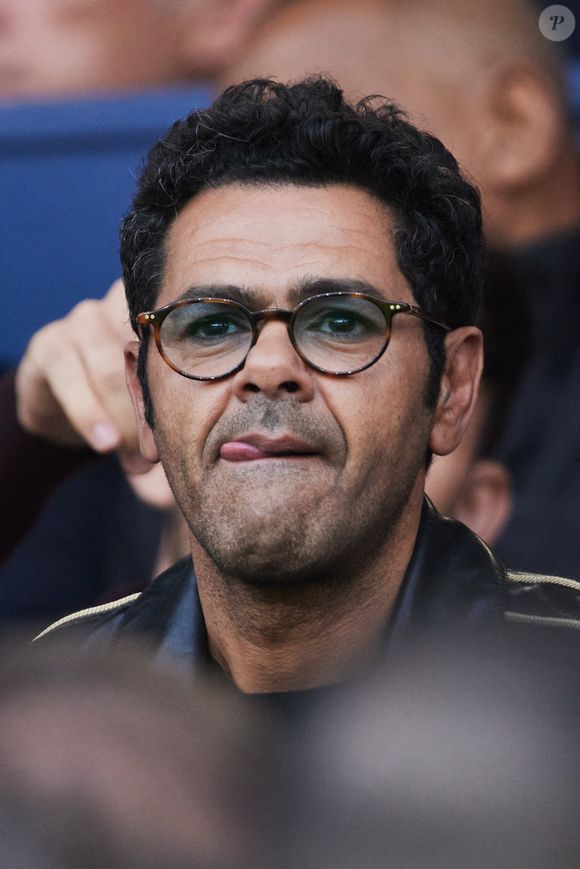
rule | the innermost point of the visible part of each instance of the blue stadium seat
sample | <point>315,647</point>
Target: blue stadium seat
<point>67,173</point>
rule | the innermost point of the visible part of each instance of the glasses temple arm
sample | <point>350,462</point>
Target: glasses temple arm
<point>417,312</point>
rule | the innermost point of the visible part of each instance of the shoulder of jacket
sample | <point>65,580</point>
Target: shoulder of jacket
<point>537,599</point>
<point>90,614</point>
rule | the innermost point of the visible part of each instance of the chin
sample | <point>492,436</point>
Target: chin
<point>281,554</point>
<point>262,562</point>
<point>270,575</point>
<point>261,551</point>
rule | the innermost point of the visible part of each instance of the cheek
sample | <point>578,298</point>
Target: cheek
<point>185,411</point>
<point>381,410</point>
<point>364,411</point>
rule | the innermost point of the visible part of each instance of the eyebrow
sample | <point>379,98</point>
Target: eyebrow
<point>303,289</point>
<point>312,286</point>
<point>244,295</point>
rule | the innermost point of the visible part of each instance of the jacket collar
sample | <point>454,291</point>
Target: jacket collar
<point>452,582</point>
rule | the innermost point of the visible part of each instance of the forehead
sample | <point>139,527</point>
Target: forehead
<point>270,238</point>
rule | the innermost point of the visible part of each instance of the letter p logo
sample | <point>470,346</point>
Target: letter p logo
<point>557,23</point>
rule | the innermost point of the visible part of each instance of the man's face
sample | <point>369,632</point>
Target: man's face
<point>362,438</point>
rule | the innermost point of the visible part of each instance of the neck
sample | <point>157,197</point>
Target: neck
<point>271,638</point>
<point>174,541</point>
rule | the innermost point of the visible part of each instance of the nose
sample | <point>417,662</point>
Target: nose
<point>274,368</point>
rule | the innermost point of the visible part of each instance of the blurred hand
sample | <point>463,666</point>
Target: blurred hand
<point>70,384</point>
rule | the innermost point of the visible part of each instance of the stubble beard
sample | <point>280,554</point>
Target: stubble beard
<point>297,522</point>
<point>309,538</point>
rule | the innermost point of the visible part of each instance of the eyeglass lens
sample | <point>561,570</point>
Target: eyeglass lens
<point>337,334</point>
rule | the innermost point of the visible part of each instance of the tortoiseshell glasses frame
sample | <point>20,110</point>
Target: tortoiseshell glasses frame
<point>358,306</point>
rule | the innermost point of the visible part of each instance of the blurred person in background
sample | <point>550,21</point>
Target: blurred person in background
<point>59,48</point>
<point>484,80</point>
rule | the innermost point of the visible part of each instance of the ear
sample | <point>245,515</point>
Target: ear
<point>217,31</point>
<point>458,390</point>
<point>147,443</point>
<point>521,129</point>
<point>484,502</point>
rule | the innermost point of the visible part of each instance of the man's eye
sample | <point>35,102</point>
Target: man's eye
<point>340,323</point>
<point>212,327</point>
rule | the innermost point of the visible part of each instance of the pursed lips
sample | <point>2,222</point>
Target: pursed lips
<point>248,448</point>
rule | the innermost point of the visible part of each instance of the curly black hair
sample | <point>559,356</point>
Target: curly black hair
<point>307,134</point>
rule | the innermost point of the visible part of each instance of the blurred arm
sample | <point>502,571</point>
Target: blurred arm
<point>67,395</point>
<point>30,470</point>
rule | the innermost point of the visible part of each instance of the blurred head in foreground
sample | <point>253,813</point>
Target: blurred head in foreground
<point>472,763</point>
<point>447,759</point>
<point>108,763</point>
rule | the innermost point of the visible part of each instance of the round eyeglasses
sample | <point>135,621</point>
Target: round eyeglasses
<point>337,333</point>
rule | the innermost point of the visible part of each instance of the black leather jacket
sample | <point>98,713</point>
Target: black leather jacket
<point>453,583</point>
